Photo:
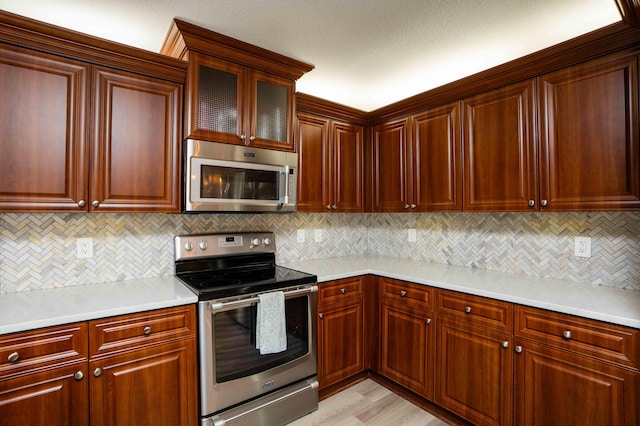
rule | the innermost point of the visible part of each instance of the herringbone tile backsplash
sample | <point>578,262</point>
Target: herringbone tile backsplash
<point>39,250</point>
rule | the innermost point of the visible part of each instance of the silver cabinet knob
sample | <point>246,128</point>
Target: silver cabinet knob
<point>518,349</point>
<point>329,206</point>
<point>146,330</point>
<point>13,357</point>
<point>334,207</point>
<point>406,206</point>
<point>79,375</point>
<point>95,203</point>
<point>82,203</point>
<point>403,293</point>
<point>427,321</point>
<point>544,203</point>
<point>203,245</point>
<point>505,344</point>
<point>243,137</point>
<point>413,206</point>
<point>97,372</point>
<point>467,309</point>
<point>343,290</point>
<point>532,203</point>
<point>252,138</point>
<point>321,315</point>
<point>566,334</point>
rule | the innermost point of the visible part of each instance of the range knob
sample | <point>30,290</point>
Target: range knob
<point>203,245</point>
<point>266,241</point>
<point>188,246</point>
<point>255,242</point>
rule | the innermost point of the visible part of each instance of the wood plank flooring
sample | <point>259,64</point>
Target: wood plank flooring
<point>368,403</point>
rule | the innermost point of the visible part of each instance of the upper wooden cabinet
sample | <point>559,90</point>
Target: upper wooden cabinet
<point>589,137</point>
<point>235,92</point>
<point>96,133</point>
<point>500,169</point>
<point>416,161</point>
<point>330,158</point>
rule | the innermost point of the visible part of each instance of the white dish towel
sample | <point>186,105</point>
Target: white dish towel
<point>271,327</point>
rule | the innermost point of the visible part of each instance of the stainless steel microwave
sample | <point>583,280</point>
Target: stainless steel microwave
<point>233,178</point>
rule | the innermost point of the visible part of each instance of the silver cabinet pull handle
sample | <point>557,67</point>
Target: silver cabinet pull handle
<point>79,375</point>
<point>147,330</point>
<point>566,334</point>
<point>467,309</point>
<point>505,344</point>
<point>403,293</point>
<point>97,372</point>
<point>13,357</point>
<point>518,349</point>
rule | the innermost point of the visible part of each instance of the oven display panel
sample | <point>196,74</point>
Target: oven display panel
<point>230,241</point>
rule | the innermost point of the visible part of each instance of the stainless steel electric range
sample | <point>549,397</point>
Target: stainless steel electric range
<point>238,384</point>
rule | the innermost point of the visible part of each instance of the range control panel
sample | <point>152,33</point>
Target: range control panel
<point>212,245</point>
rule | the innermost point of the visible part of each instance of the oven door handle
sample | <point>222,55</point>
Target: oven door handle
<point>220,306</point>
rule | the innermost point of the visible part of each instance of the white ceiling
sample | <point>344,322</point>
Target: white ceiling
<point>366,53</point>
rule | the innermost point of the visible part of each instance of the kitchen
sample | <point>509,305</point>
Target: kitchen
<point>38,249</point>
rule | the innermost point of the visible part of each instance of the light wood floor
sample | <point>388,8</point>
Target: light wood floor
<point>368,403</point>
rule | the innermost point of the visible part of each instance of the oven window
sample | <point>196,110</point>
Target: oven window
<point>238,184</point>
<point>235,340</point>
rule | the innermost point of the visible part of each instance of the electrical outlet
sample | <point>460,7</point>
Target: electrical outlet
<point>317,235</point>
<point>582,247</point>
<point>84,248</point>
<point>300,237</point>
<point>412,236</point>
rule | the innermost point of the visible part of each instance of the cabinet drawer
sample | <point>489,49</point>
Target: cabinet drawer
<point>339,290</point>
<point>411,294</point>
<point>139,330</point>
<point>605,341</point>
<point>478,310</point>
<point>38,348</point>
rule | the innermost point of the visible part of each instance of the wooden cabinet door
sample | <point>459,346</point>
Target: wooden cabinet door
<point>271,100</point>
<point>346,167</point>
<point>500,169</point>
<point>590,143</point>
<point>555,388</point>
<point>340,342</point>
<point>435,153</point>
<point>390,167</point>
<point>474,372</point>
<point>136,140</point>
<point>43,132</point>
<point>54,397</point>
<point>313,163</point>
<point>147,387</point>
<point>407,347</point>
<point>215,100</point>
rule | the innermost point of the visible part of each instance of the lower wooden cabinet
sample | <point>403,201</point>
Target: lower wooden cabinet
<point>474,372</point>
<point>340,330</point>
<point>137,369</point>
<point>556,388</point>
<point>55,397</point>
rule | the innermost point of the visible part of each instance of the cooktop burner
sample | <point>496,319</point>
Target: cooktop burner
<point>216,266</point>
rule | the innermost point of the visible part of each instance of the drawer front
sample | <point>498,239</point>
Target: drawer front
<point>340,290</point>
<point>139,330</point>
<point>478,310</point>
<point>408,293</point>
<point>605,341</point>
<point>38,348</point>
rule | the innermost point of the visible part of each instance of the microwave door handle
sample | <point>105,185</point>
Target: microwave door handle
<point>285,197</point>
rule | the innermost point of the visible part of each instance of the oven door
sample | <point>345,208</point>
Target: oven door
<point>232,369</point>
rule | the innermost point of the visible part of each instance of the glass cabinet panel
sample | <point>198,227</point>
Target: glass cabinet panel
<point>271,110</point>
<point>217,100</point>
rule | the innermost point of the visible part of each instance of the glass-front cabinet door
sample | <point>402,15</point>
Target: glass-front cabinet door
<point>233,104</point>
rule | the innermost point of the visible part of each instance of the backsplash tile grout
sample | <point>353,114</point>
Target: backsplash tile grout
<point>37,250</point>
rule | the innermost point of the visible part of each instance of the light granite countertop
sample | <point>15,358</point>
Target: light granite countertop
<point>590,301</point>
<point>27,310</point>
